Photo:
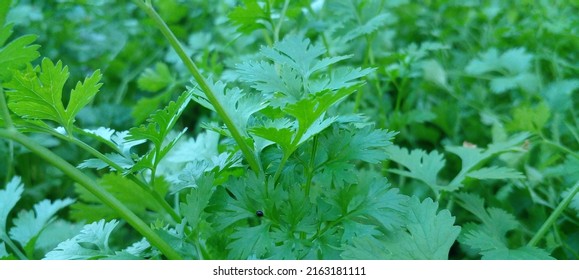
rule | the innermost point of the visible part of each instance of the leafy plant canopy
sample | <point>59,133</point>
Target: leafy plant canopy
<point>362,129</point>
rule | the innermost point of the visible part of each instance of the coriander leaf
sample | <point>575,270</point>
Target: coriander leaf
<point>522,253</point>
<point>250,242</point>
<point>39,97</point>
<point>238,105</point>
<point>280,131</point>
<point>37,93</point>
<point>155,79</point>
<point>531,119</point>
<point>420,164</point>
<point>428,234</point>
<point>558,94</point>
<point>161,122</point>
<point>8,199</point>
<point>370,26</point>
<point>250,17</point>
<point>29,224</point>
<point>82,95</point>
<point>373,202</point>
<point>196,201</point>
<point>91,243</point>
<point>512,68</point>
<point>16,54</point>
<point>489,237</point>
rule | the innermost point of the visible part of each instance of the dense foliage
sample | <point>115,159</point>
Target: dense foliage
<point>289,129</point>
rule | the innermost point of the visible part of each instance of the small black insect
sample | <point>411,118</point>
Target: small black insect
<point>259,213</point>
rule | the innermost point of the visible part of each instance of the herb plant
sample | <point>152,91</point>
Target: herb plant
<point>289,130</point>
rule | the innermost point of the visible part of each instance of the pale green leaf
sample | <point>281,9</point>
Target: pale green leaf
<point>420,164</point>
<point>8,199</point>
<point>29,224</point>
<point>522,253</point>
<point>91,243</point>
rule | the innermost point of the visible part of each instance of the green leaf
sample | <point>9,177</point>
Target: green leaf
<point>82,95</point>
<point>91,243</point>
<point>421,165</point>
<point>435,73</point>
<point>250,242</point>
<point>373,202</point>
<point>28,225</point>
<point>8,199</point>
<point>530,119</point>
<point>17,53</point>
<point>514,60</point>
<point>196,201</point>
<point>490,237</point>
<point>522,253</point>
<point>90,208</point>
<point>558,94</point>
<point>161,122</point>
<point>156,79</point>
<point>427,235</point>
<point>157,129</point>
<point>39,96</point>
<point>370,26</point>
<point>512,68</point>
<point>250,17</point>
<point>237,104</point>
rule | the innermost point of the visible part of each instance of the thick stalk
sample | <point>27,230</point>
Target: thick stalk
<point>555,215</point>
<point>95,189</point>
<point>247,151</point>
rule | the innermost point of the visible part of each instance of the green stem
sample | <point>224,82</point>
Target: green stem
<point>9,125</point>
<point>560,147</point>
<point>554,216</point>
<point>95,189</point>
<point>13,246</point>
<point>4,110</point>
<point>247,151</point>
<point>311,166</point>
<point>280,168</point>
<point>281,19</point>
<point>161,201</point>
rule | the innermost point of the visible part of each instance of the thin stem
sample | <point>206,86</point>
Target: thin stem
<point>13,246</point>
<point>4,110</point>
<point>555,215</point>
<point>561,147</point>
<point>280,168</point>
<point>311,166</point>
<point>161,201</point>
<point>95,189</point>
<point>9,125</point>
<point>281,19</point>
<point>247,151</point>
